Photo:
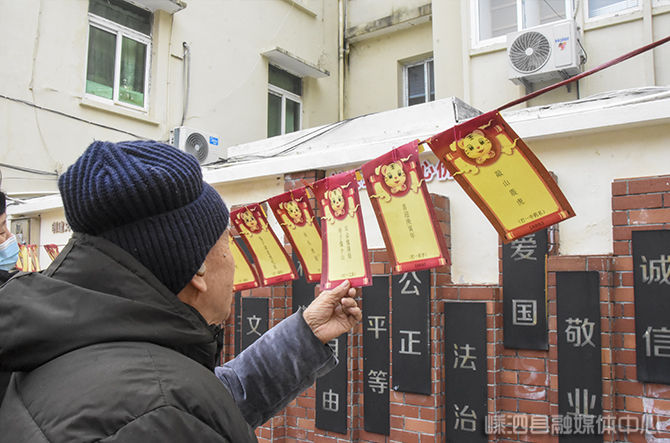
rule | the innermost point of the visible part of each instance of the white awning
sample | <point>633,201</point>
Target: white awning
<point>293,64</point>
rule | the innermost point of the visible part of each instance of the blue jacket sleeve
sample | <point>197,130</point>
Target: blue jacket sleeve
<point>275,369</point>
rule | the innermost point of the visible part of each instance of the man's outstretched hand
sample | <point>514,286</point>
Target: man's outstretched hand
<point>333,312</point>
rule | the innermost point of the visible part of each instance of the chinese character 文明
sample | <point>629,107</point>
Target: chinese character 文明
<point>378,381</point>
<point>254,321</point>
<point>658,340</point>
<point>524,248</point>
<point>524,312</point>
<point>465,420</point>
<point>411,286</point>
<point>467,361</point>
<point>407,343</point>
<point>331,401</point>
<point>376,324</point>
<point>656,271</point>
<point>579,332</point>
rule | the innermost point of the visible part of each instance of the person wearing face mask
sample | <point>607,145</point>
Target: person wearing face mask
<point>9,253</point>
<point>9,249</point>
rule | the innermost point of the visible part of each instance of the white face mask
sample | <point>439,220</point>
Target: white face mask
<point>9,253</point>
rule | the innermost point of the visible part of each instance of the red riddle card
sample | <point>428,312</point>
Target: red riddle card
<point>345,250</point>
<point>405,213</point>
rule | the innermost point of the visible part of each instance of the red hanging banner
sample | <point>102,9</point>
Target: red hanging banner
<point>273,264</point>
<point>294,213</point>
<point>345,251</point>
<point>404,210</point>
<point>245,275</point>
<point>501,175</point>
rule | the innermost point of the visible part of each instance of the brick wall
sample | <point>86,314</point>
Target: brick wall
<point>520,382</point>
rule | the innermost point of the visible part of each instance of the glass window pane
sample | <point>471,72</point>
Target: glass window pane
<point>416,85</point>
<point>100,65</point>
<point>284,80</point>
<point>537,12</point>
<point>496,18</point>
<point>292,116</point>
<point>608,7</point>
<point>122,13</point>
<point>274,115</point>
<point>431,79</point>
<point>133,69</point>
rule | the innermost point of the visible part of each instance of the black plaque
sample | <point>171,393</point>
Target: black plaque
<point>331,392</point>
<point>238,323</point>
<point>254,319</point>
<point>302,291</point>
<point>465,371</point>
<point>579,371</point>
<point>651,277</point>
<point>376,356</point>
<point>411,332</point>
<point>524,293</point>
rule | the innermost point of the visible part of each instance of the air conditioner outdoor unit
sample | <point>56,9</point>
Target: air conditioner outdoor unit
<point>544,53</point>
<point>204,146</point>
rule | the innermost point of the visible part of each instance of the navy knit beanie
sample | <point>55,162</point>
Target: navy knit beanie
<point>148,198</point>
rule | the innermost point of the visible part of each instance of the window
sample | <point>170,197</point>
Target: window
<point>284,102</point>
<point>119,46</point>
<point>497,18</point>
<point>419,82</point>
<point>599,8</point>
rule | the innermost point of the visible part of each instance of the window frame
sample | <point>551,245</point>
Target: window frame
<point>476,43</point>
<point>625,11</point>
<point>426,78</point>
<point>284,94</point>
<point>120,31</point>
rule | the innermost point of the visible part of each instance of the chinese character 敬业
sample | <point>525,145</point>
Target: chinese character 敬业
<point>579,332</point>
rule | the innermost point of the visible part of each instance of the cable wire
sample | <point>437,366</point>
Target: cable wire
<point>100,125</point>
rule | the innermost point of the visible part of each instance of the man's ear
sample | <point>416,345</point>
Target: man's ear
<point>199,283</point>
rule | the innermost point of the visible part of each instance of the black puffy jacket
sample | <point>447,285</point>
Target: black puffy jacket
<point>102,351</point>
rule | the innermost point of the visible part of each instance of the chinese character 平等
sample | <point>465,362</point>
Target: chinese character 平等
<point>467,361</point>
<point>378,381</point>
<point>524,248</point>
<point>657,342</point>
<point>254,321</point>
<point>524,312</point>
<point>331,401</point>
<point>407,343</point>
<point>410,287</point>
<point>579,332</point>
<point>466,418</point>
<point>656,271</point>
<point>376,324</point>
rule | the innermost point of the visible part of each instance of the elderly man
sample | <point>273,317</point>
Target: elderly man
<point>115,341</point>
